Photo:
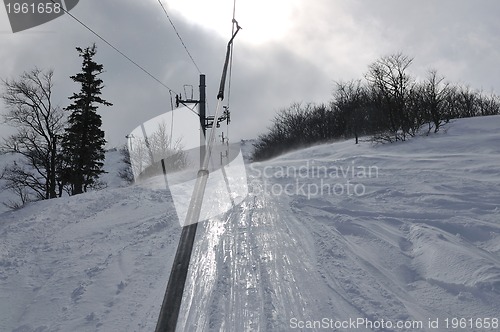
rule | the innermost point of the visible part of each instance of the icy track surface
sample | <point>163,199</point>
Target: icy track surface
<point>421,241</point>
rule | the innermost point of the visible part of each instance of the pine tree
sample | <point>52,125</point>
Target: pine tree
<point>83,142</point>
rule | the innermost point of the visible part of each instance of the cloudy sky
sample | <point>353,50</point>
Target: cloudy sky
<point>288,51</point>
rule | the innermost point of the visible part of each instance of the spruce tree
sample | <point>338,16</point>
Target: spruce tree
<point>83,141</point>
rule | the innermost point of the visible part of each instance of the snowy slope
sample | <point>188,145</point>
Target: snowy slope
<point>423,242</point>
<point>99,261</point>
<point>418,238</point>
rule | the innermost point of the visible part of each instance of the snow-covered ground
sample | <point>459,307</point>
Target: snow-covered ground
<point>388,234</point>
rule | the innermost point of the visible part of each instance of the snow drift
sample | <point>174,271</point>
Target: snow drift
<point>418,241</point>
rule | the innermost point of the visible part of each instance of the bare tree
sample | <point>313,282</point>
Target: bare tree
<point>126,173</point>
<point>298,126</point>
<point>488,105</point>
<point>468,101</point>
<point>18,180</point>
<point>39,123</point>
<point>389,77</point>
<point>465,102</point>
<point>148,155</point>
<point>435,94</point>
<point>350,98</point>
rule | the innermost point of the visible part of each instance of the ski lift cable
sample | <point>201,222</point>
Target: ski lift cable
<point>169,311</point>
<point>194,210</point>
<point>191,109</point>
<point>234,24</point>
<point>172,122</point>
<point>114,47</point>
<point>179,36</point>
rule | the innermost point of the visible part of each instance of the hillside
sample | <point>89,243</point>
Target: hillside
<point>400,232</point>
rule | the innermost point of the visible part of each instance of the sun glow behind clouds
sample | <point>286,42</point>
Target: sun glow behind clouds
<point>261,20</point>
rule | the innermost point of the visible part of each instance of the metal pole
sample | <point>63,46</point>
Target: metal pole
<point>173,295</point>
<point>171,305</point>
<point>203,122</point>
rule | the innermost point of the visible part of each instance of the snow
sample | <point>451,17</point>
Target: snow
<point>414,234</point>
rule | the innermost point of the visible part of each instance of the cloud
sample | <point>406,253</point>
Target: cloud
<point>324,41</point>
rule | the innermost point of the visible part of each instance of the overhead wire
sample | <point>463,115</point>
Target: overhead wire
<point>115,48</point>
<point>172,121</point>
<point>172,300</point>
<point>231,57</point>
<point>234,24</point>
<point>192,60</point>
<point>179,36</point>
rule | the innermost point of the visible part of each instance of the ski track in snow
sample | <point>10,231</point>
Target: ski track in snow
<point>423,242</point>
